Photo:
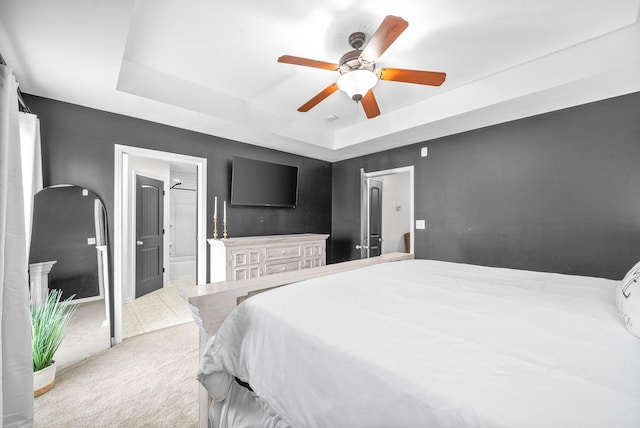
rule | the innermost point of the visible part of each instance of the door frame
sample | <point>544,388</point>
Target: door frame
<point>121,208</point>
<point>364,206</point>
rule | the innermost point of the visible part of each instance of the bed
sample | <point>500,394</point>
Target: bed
<point>422,343</point>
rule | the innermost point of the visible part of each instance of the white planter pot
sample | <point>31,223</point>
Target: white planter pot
<point>43,379</point>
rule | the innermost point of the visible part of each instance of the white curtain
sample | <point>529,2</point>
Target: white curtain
<point>16,403</point>
<point>31,158</point>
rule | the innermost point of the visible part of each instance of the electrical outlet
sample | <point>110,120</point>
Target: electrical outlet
<point>421,224</point>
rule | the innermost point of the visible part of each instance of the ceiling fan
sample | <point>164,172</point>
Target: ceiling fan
<point>357,68</point>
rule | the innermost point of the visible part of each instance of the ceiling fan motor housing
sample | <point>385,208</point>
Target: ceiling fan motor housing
<point>351,61</point>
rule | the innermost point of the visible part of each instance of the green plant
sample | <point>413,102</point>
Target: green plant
<point>49,322</point>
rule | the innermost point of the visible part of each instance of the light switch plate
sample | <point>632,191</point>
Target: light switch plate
<point>421,224</point>
<point>91,241</point>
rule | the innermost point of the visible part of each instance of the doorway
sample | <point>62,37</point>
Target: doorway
<point>128,160</point>
<point>386,211</point>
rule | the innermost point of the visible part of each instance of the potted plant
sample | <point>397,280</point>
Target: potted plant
<point>49,321</point>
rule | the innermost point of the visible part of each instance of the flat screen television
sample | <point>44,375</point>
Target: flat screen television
<point>265,184</point>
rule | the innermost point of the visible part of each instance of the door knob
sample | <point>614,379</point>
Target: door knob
<point>139,242</point>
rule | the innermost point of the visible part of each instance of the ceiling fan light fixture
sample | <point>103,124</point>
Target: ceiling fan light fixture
<point>357,83</point>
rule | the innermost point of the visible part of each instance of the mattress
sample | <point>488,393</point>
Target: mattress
<point>423,343</point>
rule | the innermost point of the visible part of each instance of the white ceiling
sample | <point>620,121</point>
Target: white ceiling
<point>210,66</point>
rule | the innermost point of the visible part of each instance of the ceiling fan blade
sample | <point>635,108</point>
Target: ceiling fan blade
<point>370,105</point>
<point>433,78</point>
<point>385,35</point>
<point>296,60</point>
<point>321,96</point>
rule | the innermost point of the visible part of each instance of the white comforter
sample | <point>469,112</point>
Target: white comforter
<point>433,344</point>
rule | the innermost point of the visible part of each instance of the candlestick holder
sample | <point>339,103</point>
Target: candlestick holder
<point>215,227</point>
<point>224,229</point>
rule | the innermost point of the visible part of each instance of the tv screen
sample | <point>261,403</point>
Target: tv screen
<point>261,183</point>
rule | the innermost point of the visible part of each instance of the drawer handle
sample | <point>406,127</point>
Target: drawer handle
<point>284,268</point>
<point>284,252</point>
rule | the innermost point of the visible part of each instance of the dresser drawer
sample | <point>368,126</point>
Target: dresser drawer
<point>312,250</point>
<point>245,257</point>
<point>247,272</point>
<point>312,263</point>
<point>282,252</point>
<point>282,267</point>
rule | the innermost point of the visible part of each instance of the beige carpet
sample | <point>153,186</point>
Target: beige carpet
<point>147,381</point>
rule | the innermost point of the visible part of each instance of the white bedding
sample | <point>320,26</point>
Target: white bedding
<point>432,344</point>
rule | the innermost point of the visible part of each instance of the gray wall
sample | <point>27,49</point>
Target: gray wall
<point>558,192</point>
<point>78,148</point>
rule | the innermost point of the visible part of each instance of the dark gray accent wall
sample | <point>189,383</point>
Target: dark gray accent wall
<point>558,192</point>
<point>78,148</point>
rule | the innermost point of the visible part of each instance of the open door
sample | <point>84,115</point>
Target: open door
<point>363,246</point>
<point>371,217</point>
<point>373,206</point>
<point>149,235</point>
<point>375,218</point>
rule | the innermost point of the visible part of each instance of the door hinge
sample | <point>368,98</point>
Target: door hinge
<point>163,193</point>
<point>163,231</point>
<point>162,270</point>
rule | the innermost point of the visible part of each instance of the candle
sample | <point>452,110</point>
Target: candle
<point>225,210</point>
<point>215,206</point>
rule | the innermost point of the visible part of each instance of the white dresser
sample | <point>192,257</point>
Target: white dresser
<point>253,256</point>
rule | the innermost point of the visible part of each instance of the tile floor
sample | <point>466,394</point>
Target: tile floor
<point>89,332</point>
<point>153,311</point>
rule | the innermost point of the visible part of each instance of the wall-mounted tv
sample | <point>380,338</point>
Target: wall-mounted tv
<point>266,184</point>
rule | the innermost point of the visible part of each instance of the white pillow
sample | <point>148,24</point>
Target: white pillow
<point>628,300</point>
